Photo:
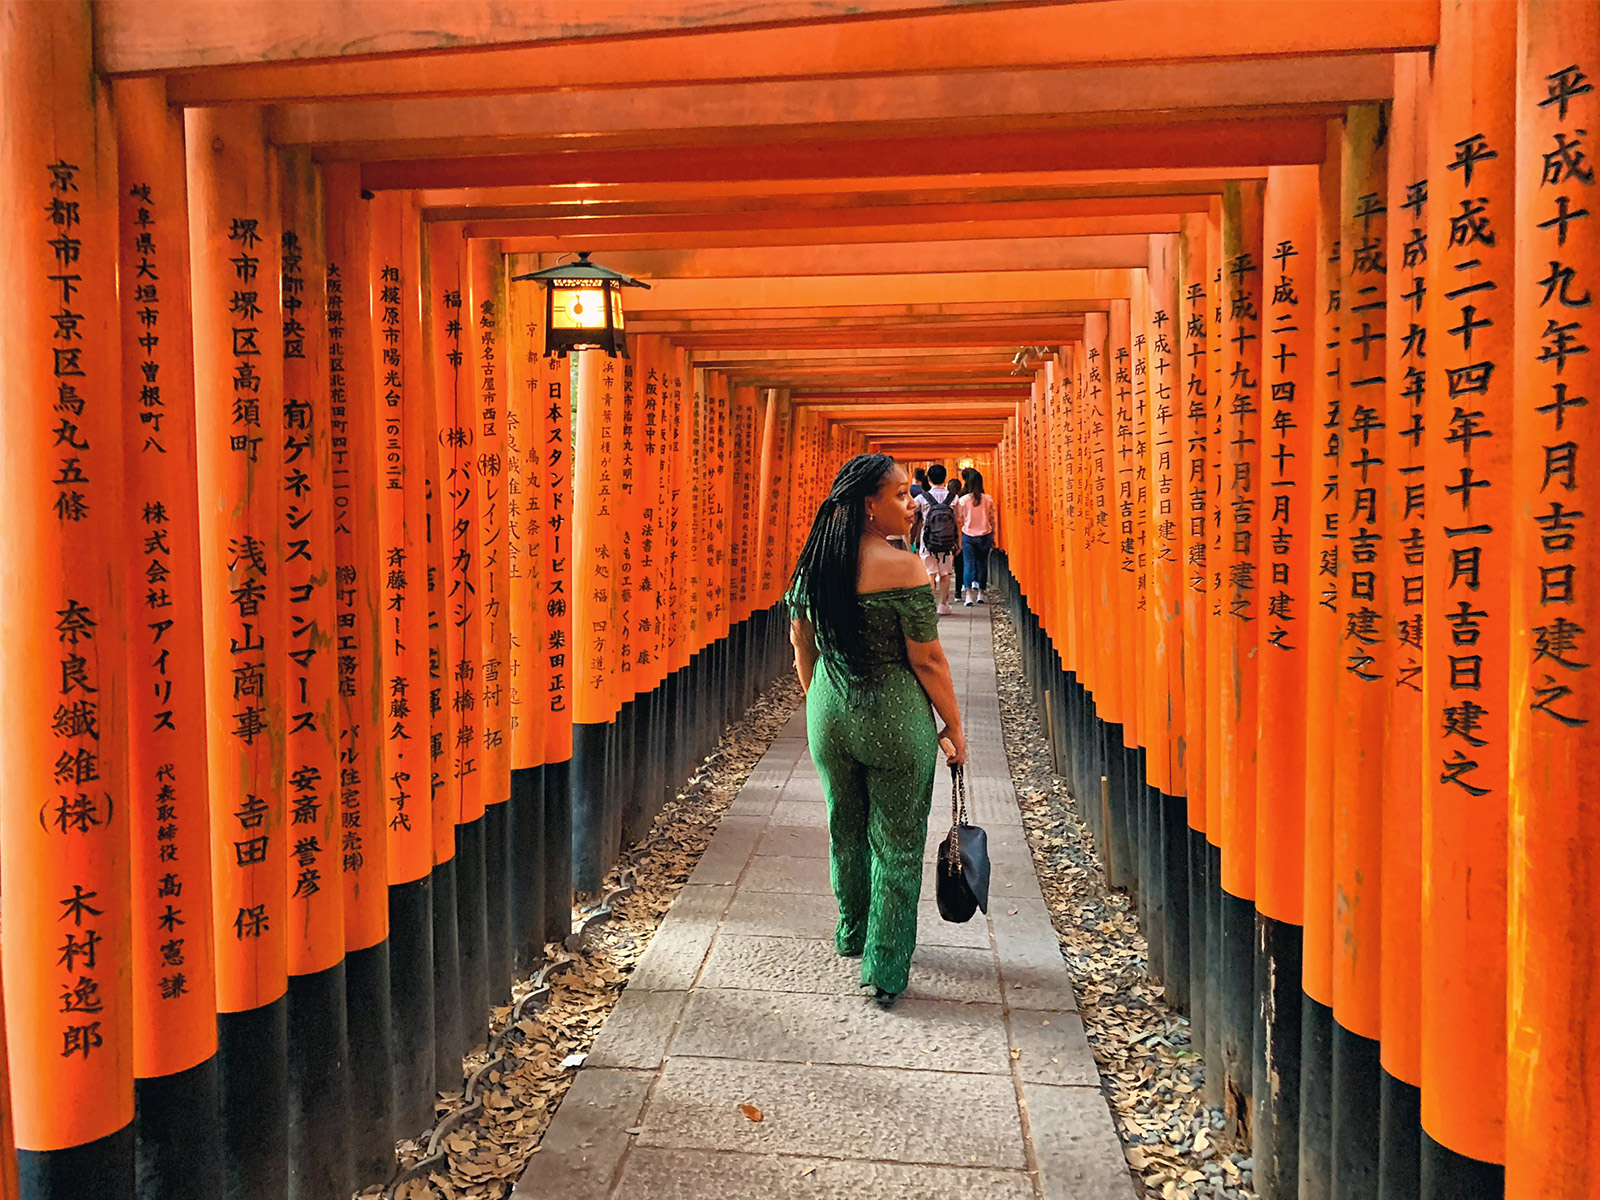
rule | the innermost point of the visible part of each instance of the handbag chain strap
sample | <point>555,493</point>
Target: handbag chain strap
<point>958,810</point>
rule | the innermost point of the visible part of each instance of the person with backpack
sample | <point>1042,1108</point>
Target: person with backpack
<point>939,535</point>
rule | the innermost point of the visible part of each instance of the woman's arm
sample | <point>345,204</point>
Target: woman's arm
<point>803,637</point>
<point>932,670</point>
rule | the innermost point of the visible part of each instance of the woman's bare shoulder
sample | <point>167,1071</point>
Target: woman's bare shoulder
<point>890,567</point>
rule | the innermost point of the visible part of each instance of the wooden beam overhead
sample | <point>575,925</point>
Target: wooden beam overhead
<point>886,258</point>
<point>566,242</point>
<point>142,36</point>
<point>1197,144</point>
<point>848,291</point>
<point>975,39</point>
<point>809,108</point>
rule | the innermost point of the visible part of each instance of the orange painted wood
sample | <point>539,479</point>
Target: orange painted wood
<point>1194,283</point>
<point>311,711</point>
<point>1123,547</point>
<point>1097,31</point>
<point>355,481</point>
<point>1553,966</point>
<point>402,434</point>
<point>64,829</point>
<point>9,1189</point>
<point>174,1007</point>
<point>1216,779</point>
<point>1244,294</point>
<point>1400,974</point>
<point>485,306</point>
<point>1166,512</point>
<point>1366,645</point>
<point>1468,448</point>
<point>1322,620</point>
<point>455,402</point>
<point>525,521</point>
<point>555,425</point>
<point>234,234</point>
<point>1283,549</point>
<point>630,503</point>
<point>594,534</point>
<point>1100,429</point>
<point>1271,141</point>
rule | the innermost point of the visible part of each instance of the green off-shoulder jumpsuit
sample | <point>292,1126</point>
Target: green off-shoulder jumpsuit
<point>875,747</point>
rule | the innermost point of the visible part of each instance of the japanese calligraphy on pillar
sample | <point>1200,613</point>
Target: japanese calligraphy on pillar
<point>174,1005</point>
<point>555,408</point>
<point>486,266</point>
<point>235,245</point>
<point>311,737</point>
<point>628,500</point>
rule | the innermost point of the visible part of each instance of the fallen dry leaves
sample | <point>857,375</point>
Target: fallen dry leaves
<point>487,1152</point>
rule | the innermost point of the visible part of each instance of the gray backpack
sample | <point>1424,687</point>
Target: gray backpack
<point>939,525</point>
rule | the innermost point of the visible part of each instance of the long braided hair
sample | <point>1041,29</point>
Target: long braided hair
<point>824,580</point>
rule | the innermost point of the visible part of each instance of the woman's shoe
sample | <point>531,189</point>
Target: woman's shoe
<point>884,1000</point>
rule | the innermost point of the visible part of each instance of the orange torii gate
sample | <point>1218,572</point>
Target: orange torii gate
<point>348,629</point>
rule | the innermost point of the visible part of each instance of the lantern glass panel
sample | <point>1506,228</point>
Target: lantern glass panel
<point>577,308</point>
<point>615,296</point>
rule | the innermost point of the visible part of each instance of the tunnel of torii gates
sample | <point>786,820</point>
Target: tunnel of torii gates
<point>347,634</point>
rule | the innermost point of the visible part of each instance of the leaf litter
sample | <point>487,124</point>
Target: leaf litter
<point>1150,1069</point>
<point>493,1132</point>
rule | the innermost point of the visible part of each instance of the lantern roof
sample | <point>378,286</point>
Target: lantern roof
<point>582,271</point>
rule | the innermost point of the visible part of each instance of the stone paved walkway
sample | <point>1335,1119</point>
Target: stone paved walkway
<point>979,1083</point>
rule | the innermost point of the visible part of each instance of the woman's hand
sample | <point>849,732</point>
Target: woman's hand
<point>954,744</point>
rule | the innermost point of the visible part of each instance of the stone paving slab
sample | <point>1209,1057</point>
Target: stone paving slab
<point>657,1174</point>
<point>978,1083</point>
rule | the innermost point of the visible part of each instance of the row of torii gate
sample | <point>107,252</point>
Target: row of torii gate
<point>348,632</point>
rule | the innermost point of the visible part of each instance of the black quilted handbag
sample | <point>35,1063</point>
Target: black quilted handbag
<point>961,883</point>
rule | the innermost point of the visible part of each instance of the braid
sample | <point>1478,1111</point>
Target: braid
<point>825,574</point>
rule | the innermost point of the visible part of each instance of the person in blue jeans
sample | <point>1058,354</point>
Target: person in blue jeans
<point>975,513</point>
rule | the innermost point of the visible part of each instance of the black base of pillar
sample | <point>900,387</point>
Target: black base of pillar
<point>1447,1175</point>
<point>1316,1100</point>
<point>472,931</point>
<point>371,1032</point>
<point>1174,828</point>
<point>411,1004</point>
<point>1216,1091</point>
<point>588,787</point>
<point>1238,1009</point>
<point>1152,872</point>
<point>558,850</point>
<point>527,867</point>
<point>319,1087</point>
<point>1199,946</point>
<point>497,896</point>
<point>449,1030</point>
<point>103,1167</point>
<point>1400,1141</point>
<point>1275,1126</point>
<point>253,1088</point>
<point>1355,1115</point>
<point>177,1135</point>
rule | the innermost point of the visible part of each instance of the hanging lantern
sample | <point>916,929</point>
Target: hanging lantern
<point>583,306</point>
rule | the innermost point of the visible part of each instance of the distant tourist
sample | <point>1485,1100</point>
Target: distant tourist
<point>938,536</point>
<point>975,510</point>
<point>866,643</point>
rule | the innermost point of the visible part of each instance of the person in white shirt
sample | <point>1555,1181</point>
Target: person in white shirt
<point>938,534</point>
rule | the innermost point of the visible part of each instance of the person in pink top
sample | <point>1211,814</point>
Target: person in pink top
<point>976,516</point>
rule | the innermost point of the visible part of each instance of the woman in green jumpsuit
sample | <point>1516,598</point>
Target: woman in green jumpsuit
<point>866,641</point>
